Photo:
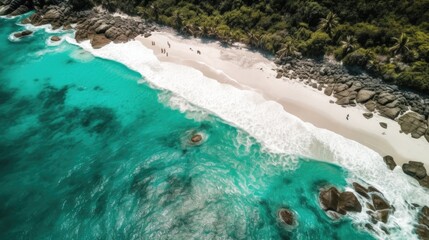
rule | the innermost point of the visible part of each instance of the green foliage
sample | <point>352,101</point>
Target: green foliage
<point>416,76</point>
<point>316,45</point>
<point>360,58</point>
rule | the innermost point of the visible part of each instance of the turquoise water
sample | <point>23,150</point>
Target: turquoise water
<point>88,153</point>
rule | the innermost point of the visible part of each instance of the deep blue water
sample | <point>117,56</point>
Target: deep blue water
<point>88,153</point>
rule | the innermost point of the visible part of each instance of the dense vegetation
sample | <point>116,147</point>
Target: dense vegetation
<point>389,38</point>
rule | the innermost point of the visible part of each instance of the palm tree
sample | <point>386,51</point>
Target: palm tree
<point>348,44</point>
<point>288,49</point>
<point>401,45</point>
<point>329,23</point>
<point>254,39</point>
<point>177,19</point>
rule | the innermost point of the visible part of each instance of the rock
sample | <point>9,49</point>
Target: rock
<point>314,85</point>
<point>361,190</point>
<point>287,216</point>
<point>371,105</point>
<point>383,124</point>
<point>331,101</point>
<point>146,35</point>
<point>196,138</point>
<point>379,203</point>
<point>20,10</point>
<point>413,123</point>
<point>414,169</point>
<point>340,87</point>
<point>328,91</point>
<point>102,28</point>
<point>279,75</point>
<point>427,135</point>
<point>389,162</point>
<point>55,38</point>
<point>23,34</point>
<point>368,115</point>
<point>391,113</point>
<point>329,199</point>
<point>424,216</point>
<point>364,95</point>
<point>52,14</point>
<point>373,189</point>
<point>422,232</point>
<point>424,182</point>
<point>382,215</point>
<point>349,202</point>
<point>385,97</point>
<point>99,41</point>
<point>343,101</point>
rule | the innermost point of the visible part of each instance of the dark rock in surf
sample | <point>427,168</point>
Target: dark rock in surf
<point>414,169</point>
<point>379,203</point>
<point>389,162</point>
<point>348,202</point>
<point>55,38</point>
<point>329,199</point>
<point>361,190</point>
<point>23,34</point>
<point>196,138</point>
<point>287,217</point>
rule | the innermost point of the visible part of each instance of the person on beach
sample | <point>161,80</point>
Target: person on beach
<point>167,54</point>
<point>168,43</point>
<point>198,52</point>
<point>347,117</point>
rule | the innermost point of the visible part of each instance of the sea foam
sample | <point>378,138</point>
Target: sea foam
<point>278,130</point>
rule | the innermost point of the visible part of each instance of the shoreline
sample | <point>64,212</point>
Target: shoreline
<point>249,70</point>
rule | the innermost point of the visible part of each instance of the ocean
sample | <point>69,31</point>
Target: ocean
<point>95,144</point>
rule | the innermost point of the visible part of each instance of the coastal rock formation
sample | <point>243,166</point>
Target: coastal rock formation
<point>389,162</point>
<point>99,27</point>
<point>332,200</point>
<point>22,34</point>
<point>287,217</point>
<point>414,169</point>
<point>417,171</point>
<point>364,95</point>
<point>196,138</point>
<point>422,229</point>
<point>361,190</point>
<point>348,203</point>
<point>383,125</point>
<point>55,38</point>
<point>368,115</point>
<point>413,123</point>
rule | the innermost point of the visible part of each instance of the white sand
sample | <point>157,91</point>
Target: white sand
<point>247,69</point>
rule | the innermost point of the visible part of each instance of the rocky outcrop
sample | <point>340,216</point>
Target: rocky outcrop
<point>364,95</point>
<point>55,38</point>
<point>417,171</point>
<point>99,27</point>
<point>287,217</point>
<point>350,89</point>
<point>414,124</point>
<point>23,33</point>
<point>422,229</point>
<point>348,203</point>
<point>389,162</point>
<point>361,190</point>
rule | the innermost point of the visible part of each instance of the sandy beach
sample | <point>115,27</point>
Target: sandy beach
<point>250,70</point>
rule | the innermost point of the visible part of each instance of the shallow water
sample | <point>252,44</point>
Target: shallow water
<point>88,153</point>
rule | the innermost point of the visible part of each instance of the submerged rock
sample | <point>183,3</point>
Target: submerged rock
<point>196,138</point>
<point>389,162</point>
<point>287,217</point>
